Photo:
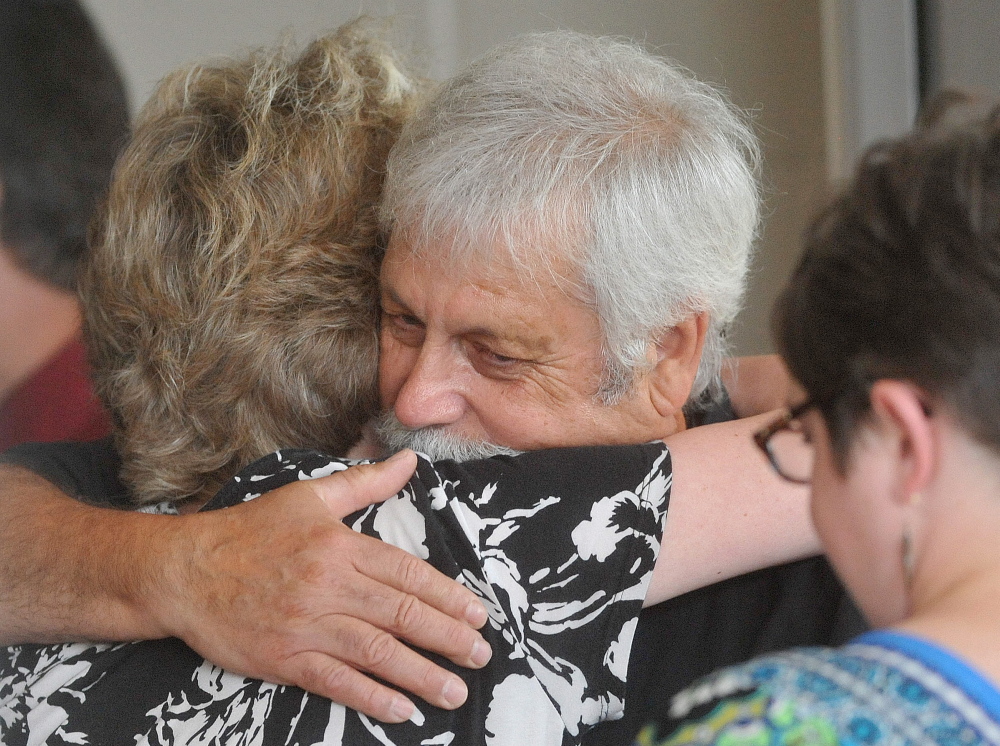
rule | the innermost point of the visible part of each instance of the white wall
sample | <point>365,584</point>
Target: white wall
<point>152,37</point>
<point>767,53</point>
<point>871,76</point>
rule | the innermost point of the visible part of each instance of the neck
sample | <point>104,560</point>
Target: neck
<point>36,321</point>
<point>965,621</point>
<point>955,592</point>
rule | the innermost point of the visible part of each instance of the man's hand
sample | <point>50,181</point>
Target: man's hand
<point>277,588</point>
<point>280,589</point>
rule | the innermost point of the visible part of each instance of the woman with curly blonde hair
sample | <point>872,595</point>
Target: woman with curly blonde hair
<point>232,291</point>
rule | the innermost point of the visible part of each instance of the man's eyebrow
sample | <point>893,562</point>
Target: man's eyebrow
<point>393,298</point>
<point>529,344</point>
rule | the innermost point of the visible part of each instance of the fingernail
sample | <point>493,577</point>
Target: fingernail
<point>455,692</point>
<point>402,708</point>
<point>400,455</point>
<point>475,614</point>
<point>481,653</point>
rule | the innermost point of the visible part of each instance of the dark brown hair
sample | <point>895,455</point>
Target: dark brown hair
<point>901,279</point>
<point>63,120</point>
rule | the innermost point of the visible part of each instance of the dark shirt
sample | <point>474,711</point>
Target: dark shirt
<point>87,471</point>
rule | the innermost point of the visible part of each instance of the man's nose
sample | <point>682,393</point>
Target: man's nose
<point>432,392</point>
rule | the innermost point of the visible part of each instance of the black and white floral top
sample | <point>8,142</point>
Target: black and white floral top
<point>559,544</point>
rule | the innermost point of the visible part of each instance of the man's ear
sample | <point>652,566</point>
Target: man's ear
<point>676,357</point>
<point>901,417</point>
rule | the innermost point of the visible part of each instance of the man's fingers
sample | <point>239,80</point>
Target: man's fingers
<point>348,491</point>
<point>409,574</point>
<point>359,486</point>
<point>377,652</point>
<point>406,616</point>
<point>328,677</point>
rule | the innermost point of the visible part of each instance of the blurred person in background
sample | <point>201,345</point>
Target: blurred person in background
<point>890,327</point>
<point>63,120</point>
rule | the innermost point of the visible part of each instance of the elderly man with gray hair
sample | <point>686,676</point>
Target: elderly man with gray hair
<point>571,223</point>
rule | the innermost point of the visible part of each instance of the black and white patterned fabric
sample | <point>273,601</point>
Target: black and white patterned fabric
<point>559,544</point>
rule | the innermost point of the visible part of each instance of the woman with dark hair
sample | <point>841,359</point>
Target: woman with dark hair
<point>891,329</point>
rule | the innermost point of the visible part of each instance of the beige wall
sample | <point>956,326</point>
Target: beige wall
<point>767,53</point>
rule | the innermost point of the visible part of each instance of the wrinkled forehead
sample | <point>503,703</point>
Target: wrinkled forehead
<point>525,260</point>
<point>528,318</point>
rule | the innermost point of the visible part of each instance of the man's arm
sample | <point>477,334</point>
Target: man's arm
<point>756,384</point>
<point>730,513</point>
<point>277,588</point>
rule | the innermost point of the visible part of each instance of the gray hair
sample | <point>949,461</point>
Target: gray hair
<point>646,176</point>
<point>436,442</point>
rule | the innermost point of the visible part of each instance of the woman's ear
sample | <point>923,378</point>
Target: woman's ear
<point>676,356</point>
<point>899,412</point>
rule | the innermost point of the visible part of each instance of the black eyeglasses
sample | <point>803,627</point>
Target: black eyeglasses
<point>786,446</point>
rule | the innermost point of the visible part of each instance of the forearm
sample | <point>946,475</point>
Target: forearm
<point>69,571</point>
<point>729,512</point>
<point>756,384</point>
<point>278,588</point>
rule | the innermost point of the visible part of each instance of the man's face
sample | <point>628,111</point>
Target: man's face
<point>489,357</point>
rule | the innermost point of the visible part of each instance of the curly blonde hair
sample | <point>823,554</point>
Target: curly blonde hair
<point>231,295</point>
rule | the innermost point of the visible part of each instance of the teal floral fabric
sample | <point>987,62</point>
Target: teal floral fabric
<point>884,688</point>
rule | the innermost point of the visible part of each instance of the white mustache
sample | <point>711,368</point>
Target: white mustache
<point>434,441</point>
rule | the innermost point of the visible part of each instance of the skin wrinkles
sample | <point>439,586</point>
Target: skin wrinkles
<point>491,357</point>
<point>513,339</point>
<point>508,359</point>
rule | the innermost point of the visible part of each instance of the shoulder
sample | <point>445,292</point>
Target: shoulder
<point>858,693</point>
<point>87,470</point>
<point>760,701</point>
<point>589,472</point>
<point>273,471</point>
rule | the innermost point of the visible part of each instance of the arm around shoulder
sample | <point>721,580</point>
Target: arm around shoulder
<point>756,384</point>
<point>278,588</point>
<point>71,571</point>
<point>729,512</point>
